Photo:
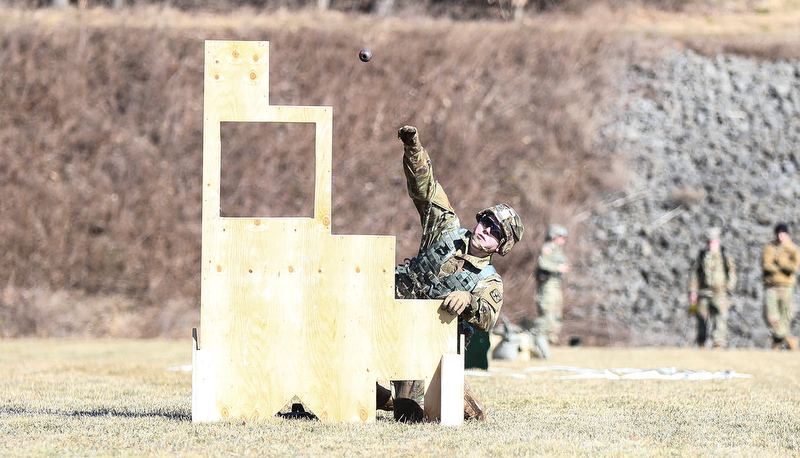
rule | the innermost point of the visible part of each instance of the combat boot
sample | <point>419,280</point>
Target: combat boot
<point>792,343</point>
<point>473,410</point>
<point>408,411</point>
<point>408,135</point>
<point>542,346</point>
<point>777,344</point>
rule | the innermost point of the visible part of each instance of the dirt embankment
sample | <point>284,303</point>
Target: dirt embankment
<point>101,131</point>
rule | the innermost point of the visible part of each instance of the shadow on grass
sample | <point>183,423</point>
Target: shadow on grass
<point>380,416</point>
<point>180,416</point>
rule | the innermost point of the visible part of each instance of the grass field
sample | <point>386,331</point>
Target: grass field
<point>133,398</point>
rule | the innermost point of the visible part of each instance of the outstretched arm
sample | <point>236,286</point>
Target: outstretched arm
<point>435,212</point>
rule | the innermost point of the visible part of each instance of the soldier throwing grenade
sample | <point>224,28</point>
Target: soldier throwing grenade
<point>452,264</point>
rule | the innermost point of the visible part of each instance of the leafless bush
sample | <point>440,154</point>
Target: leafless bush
<point>73,313</point>
<point>764,48</point>
<point>686,197</point>
<point>101,131</point>
<point>453,9</point>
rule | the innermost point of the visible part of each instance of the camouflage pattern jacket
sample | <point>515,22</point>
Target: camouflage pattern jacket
<point>780,263</point>
<point>550,257</point>
<point>439,220</point>
<point>712,272</point>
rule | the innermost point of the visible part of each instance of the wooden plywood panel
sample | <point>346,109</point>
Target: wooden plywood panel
<point>287,308</point>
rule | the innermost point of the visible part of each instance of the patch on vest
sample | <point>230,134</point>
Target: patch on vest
<point>496,297</point>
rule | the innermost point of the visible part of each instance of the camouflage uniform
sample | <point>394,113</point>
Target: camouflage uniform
<point>439,220</point>
<point>550,298</point>
<point>713,277</point>
<point>444,246</point>
<point>779,262</point>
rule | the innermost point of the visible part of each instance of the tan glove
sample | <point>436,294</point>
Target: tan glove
<point>456,302</point>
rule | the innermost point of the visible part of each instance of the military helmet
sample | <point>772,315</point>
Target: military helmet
<point>509,223</point>
<point>556,230</point>
<point>713,233</point>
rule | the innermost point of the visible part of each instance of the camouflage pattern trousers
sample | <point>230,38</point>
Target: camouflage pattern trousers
<point>549,302</point>
<point>712,316</point>
<point>779,310</point>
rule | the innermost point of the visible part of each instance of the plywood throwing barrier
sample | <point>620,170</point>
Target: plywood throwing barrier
<point>288,309</point>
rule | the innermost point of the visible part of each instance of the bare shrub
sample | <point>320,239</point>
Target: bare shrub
<point>45,313</point>
<point>761,48</point>
<point>686,197</point>
<point>460,10</point>
<point>101,130</point>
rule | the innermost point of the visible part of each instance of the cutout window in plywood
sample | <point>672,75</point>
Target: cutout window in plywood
<point>267,169</point>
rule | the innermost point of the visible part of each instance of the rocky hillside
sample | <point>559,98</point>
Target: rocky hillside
<point>713,142</point>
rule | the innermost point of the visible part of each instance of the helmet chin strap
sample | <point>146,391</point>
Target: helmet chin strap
<point>474,250</point>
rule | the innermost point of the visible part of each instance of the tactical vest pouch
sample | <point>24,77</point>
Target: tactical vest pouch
<point>405,280</point>
<point>417,278</point>
<point>544,275</point>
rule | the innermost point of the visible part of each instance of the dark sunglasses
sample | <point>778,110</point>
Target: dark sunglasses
<point>494,228</point>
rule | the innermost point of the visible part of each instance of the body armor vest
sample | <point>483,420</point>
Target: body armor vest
<point>419,278</point>
<point>701,273</point>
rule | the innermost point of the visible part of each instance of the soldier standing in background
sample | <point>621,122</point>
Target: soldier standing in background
<point>550,268</point>
<point>779,263</point>
<point>713,278</point>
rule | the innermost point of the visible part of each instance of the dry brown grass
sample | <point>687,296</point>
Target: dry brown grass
<point>119,397</point>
